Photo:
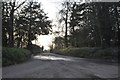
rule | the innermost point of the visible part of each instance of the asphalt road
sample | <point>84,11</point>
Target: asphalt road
<point>49,65</point>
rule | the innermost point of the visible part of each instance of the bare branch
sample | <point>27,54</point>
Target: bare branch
<point>21,4</point>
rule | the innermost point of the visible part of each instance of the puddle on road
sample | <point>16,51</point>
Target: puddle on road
<point>41,57</point>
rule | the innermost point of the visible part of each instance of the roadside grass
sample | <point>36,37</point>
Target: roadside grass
<point>90,52</point>
<point>14,55</point>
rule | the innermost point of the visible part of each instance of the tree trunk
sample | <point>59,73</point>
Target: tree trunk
<point>11,42</point>
<point>73,37</point>
<point>117,20</point>
<point>66,40</point>
<point>29,31</point>
<point>19,41</point>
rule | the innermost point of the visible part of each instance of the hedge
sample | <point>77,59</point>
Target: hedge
<point>14,55</point>
<point>90,52</point>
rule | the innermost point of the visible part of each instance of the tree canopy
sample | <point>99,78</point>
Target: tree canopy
<point>24,25</point>
<point>94,24</point>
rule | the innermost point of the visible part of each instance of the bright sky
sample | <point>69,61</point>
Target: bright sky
<point>51,7</point>
<point>44,40</point>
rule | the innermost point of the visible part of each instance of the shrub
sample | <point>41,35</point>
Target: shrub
<point>35,49</point>
<point>14,55</point>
